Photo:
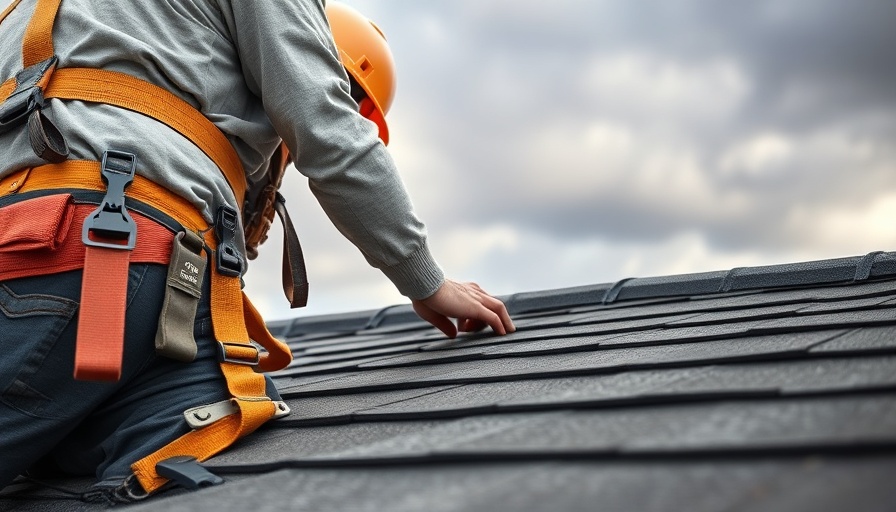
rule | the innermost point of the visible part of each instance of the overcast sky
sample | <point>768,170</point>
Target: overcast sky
<point>564,143</point>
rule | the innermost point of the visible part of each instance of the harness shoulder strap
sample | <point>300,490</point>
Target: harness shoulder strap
<point>124,91</point>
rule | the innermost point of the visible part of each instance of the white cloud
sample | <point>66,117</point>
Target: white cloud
<point>465,247</point>
<point>658,87</point>
<point>567,162</point>
<point>761,156</point>
<point>866,228</point>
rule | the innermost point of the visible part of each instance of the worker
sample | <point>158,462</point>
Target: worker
<point>131,134</point>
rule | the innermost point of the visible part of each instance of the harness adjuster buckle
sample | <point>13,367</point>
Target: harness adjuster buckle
<point>27,97</point>
<point>16,109</point>
<point>111,219</point>
<point>224,356</point>
<point>228,259</point>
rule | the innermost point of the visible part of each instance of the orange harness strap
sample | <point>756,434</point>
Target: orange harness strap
<point>37,45</point>
<point>235,321</point>
<point>124,91</point>
<point>121,90</point>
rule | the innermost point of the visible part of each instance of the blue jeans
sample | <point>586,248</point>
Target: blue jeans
<point>50,420</point>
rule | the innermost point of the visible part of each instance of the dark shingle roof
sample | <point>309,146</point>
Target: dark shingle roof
<point>766,388</point>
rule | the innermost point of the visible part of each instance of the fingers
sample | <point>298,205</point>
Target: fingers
<point>440,322</point>
<point>494,312</point>
<point>473,307</point>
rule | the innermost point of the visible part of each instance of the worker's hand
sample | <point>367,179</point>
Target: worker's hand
<point>469,304</point>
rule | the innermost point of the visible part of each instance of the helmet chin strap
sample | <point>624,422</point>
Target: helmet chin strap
<point>366,107</point>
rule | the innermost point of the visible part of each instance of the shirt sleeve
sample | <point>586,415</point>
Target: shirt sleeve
<point>289,60</point>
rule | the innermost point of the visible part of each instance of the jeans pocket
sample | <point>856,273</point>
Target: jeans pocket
<point>30,326</point>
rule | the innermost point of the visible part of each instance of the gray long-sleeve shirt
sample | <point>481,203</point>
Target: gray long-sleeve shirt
<point>260,70</point>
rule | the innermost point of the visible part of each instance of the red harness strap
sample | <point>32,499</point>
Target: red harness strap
<point>110,234</point>
<point>50,232</point>
<point>45,237</point>
<point>104,290</point>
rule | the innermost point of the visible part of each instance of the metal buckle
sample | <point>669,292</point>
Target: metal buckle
<point>224,358</point>
<point>204,415</point>
<point>111,219</point>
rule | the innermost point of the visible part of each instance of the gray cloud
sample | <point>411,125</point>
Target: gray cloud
<point>572,142</point>
<point>494,78</point>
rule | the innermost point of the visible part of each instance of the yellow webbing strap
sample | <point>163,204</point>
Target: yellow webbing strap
<point>37,45</point>
<point>279,355</point>
<point>234,318</point>
<point>246,386</point>
<point>254,410</point>
<point>124,91</point>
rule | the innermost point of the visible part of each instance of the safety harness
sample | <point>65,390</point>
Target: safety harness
<point>111,238</point>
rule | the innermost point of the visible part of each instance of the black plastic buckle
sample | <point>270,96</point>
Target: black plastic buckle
<point>111,219</point>
<point>187,472</point>
<point>16,109</point>
<point>27,96</point>
<point>228,258</point>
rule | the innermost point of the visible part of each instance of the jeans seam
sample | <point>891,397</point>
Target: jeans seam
<point>61,310</point>
<point>142,275</point>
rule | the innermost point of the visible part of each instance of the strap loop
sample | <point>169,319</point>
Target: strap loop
<point>294,276</point>
<point>238,353</point>
<point>46,140</point>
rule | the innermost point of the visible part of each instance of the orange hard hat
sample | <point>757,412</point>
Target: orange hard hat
<point>365,54</point>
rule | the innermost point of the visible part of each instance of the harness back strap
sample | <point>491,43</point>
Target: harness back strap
<point>37,44</point>
<point>125,91</point>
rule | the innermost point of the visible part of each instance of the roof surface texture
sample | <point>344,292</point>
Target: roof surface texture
<point>768,388</point>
